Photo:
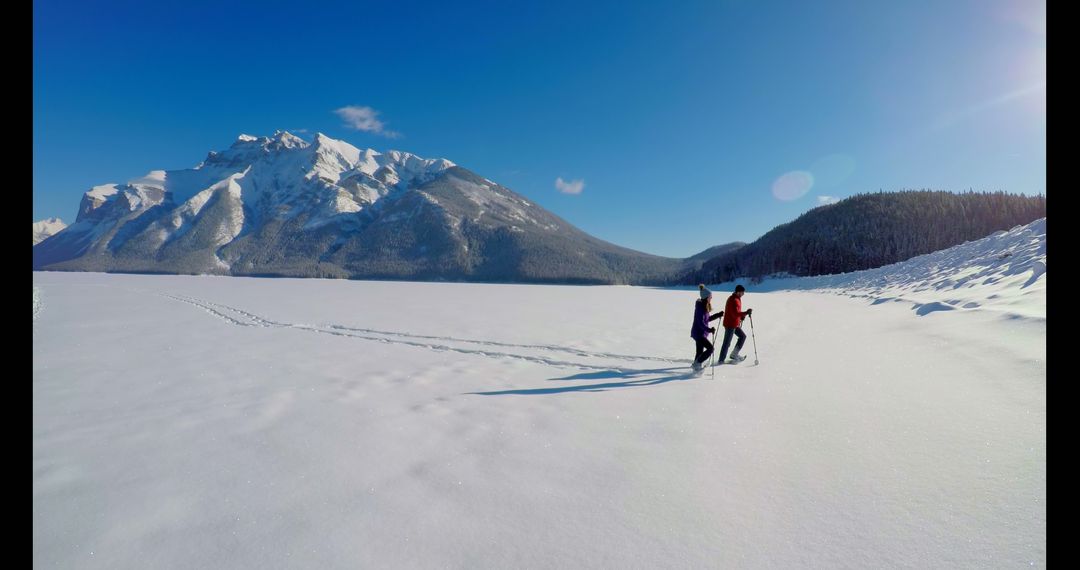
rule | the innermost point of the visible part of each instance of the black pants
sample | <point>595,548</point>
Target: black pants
<point>727,341</point>
<point>704,349</point>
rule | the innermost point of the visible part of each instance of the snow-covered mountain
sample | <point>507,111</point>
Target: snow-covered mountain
<point>283,206</point>
<point>45,228</point>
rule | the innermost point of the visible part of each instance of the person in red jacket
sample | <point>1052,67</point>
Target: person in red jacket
<point>733,316</point>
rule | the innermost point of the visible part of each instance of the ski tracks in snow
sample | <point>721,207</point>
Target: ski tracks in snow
<point>487,348</point>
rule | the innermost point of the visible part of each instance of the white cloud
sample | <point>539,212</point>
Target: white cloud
<point>571,187</point>
<point>364,119</point>
<point>822,200</point>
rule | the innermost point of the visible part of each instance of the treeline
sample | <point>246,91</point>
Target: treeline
<point>871,230</point>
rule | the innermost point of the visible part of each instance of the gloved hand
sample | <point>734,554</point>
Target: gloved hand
<point>749,312</point>
<point>712,329</point>
<point>721,313</point>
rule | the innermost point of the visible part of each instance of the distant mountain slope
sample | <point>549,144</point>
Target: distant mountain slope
<point>695,261</point>
<point>1003,272</point>
<point>871,230</point>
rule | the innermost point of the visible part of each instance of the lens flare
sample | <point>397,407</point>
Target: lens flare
<point>792,185</point>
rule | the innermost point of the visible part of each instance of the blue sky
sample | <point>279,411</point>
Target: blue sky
<point>684,125</point>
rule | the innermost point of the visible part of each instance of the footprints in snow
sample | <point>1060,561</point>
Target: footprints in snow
<point>492,349</point>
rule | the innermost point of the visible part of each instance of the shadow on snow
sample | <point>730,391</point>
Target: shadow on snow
<point>626,375</point>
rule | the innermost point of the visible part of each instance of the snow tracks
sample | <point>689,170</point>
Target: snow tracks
<point>546,354</point>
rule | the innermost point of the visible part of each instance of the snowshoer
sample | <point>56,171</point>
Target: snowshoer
<point>733,325</point>
<point>701,329</point>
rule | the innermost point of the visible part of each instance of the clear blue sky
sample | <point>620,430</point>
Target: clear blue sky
<point>690,123</point>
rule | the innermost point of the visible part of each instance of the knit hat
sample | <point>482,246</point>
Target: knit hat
<point>705,293</point>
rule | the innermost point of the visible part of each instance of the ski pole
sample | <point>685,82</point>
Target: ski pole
<point>753,337</point>
<point>712,358</point>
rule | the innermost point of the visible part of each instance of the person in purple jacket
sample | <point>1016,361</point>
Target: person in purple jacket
<point>701,329</point>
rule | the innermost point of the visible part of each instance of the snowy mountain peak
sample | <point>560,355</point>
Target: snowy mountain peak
<point>45,228</point>
<point>103,191</point>
<point>154,178</point>
<point>409,162</point>
<point>325,144</point>
<point>397,155</point>
<point>50,222</point>
<point>285,139</point>
<point>246,138</point>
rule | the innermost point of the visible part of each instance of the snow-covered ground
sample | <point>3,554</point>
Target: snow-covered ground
<point>216,422</point>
